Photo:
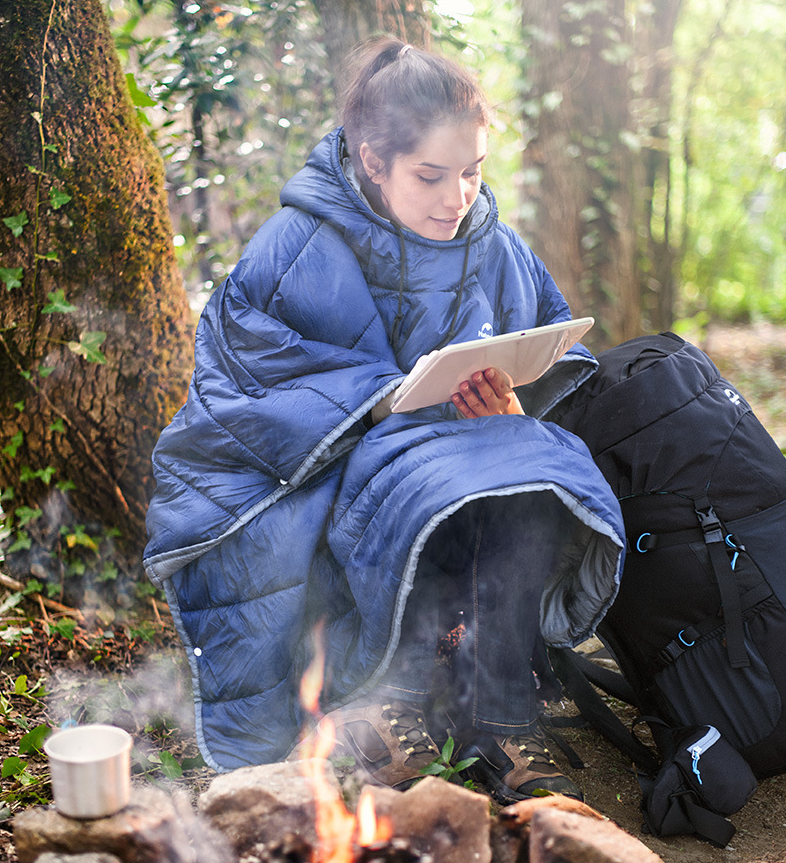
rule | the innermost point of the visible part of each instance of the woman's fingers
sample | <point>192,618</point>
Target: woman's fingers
<point>487,393</point>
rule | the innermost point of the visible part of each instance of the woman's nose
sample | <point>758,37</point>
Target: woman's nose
<point>456,194</point>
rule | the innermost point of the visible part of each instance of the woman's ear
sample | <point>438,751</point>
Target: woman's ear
<point>372,164</point>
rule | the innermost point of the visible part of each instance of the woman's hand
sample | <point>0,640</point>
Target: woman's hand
<point>487,393</point>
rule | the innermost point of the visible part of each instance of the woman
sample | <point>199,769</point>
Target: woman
<point>289,497</point>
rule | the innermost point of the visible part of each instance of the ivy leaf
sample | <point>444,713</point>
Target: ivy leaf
<point>57,426</point>
<point>16,223</point>
<point>25,514</point>
<point>13,445</point>
<point>22,543</point>
<point>12,276</point>
<point>49,256</point>
<point>12,766</point>
<point>58,303</point>
<point>45,371</point>
<point>33,741</point>
<point>138,97</point>
<point>20,406</point>
<point>65,484</point>
<point>58,199</point>
<point>88,345</point>
<point>52,148</point>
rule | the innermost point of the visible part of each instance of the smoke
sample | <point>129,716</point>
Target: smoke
<point>156,696</point>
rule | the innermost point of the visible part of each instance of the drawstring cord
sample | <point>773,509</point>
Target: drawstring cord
<point>401,283</point>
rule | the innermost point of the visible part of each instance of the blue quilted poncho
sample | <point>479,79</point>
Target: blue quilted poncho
<point>278,509</point>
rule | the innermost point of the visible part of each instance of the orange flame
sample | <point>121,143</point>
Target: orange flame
<point>337,828</point>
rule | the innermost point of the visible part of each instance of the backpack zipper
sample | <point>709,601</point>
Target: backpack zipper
<point>704,743</point>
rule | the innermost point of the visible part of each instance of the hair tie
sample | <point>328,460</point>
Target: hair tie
<point>403,51</point>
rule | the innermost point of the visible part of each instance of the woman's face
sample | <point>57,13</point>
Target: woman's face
<point>431,190</point>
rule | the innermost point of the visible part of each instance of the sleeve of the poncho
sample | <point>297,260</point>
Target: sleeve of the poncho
<point>290,354</point>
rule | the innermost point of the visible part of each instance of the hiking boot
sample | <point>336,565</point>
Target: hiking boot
<point>514,768</point>
<point>387,740</point>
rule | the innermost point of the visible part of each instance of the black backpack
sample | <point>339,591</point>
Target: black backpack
<point>698,629</point>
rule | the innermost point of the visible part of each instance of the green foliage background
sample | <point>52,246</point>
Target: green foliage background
<point>258,75</point>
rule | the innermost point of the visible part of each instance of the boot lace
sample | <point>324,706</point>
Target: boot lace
<point>406,721</point>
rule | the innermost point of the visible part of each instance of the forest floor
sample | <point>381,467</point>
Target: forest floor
<point>142,684</point>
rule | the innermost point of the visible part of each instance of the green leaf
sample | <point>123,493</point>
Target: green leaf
<point>57,303</point>
<point>170,766</point>
<point>49,148</point>
<point>8,494</point>
<point>33,741</point>
<point>25,515</point>
<point>45,371</point>
<point>20,406</point>
<point>108,573</point>
<point>434,769</point>
<point>65,484</point>
<point>16,223</point>
<point>88,345</point>
<point>33,585</point>
<point>138,97</point>
<point>22,543</point>
<point>13,445</point>
<point>49,256</point>
<point>13,766</point>
<point>64,628</point>
<point>57,199</point>
<point>20,685</point>
<point>57,426</point>
<point>12,276</point>
<point>467,762</point>
<point>447,750</point>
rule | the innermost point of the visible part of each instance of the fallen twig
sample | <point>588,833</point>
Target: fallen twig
<point>13,584</point>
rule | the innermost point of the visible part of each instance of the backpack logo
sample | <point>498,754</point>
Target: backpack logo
<point>733,397</point>
<point>485,332</point>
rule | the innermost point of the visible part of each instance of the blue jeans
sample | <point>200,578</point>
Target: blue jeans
<point>475,570</point>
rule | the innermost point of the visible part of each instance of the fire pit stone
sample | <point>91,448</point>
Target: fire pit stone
<point>259,805</point>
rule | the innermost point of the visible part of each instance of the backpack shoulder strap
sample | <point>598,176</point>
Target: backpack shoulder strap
<point>568,667</point>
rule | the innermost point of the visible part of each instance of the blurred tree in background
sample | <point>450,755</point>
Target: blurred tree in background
<point>635,143</point>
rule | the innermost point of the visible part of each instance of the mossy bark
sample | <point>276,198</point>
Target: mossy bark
<point>68,128</point>
<point>584,195</point>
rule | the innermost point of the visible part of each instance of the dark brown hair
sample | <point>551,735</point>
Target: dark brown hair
<point>398,94</point>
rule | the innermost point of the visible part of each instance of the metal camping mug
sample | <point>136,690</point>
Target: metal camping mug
<point>90,767</point>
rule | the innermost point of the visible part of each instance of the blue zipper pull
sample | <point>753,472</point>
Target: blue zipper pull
<point>712,736</point>
<point>695,755</point>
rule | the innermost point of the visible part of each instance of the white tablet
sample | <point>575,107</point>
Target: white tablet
<point>525,355</point>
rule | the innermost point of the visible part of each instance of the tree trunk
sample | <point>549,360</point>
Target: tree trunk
<point>83,189</point>
<point>581,161</point>
<point>654,39</point>
<point>346,23</point>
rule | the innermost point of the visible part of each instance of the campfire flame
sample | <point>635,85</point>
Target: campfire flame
<point>338,830</point>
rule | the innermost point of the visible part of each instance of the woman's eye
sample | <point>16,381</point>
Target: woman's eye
<point>472,175</point>
<point>428,180</point>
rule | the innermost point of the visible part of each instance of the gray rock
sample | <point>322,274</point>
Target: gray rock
<point>153,828</point>
<point>92,857</point>
<point>565,837</point>
<point>440,819</point>
<point>259,805</point>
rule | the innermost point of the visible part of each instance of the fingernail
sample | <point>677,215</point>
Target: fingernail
<point>490,373</point>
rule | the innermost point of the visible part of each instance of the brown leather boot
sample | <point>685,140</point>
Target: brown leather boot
<point>389,740</point>
<point>514,768</point>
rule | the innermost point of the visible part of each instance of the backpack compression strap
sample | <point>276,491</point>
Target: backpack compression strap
<point>727,583</point>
